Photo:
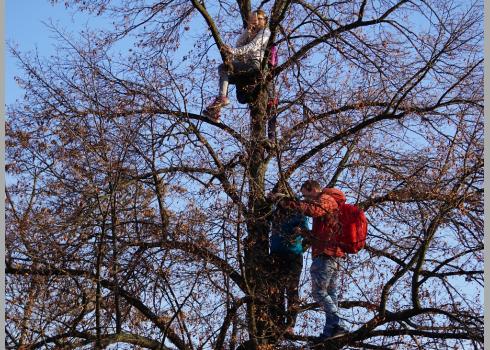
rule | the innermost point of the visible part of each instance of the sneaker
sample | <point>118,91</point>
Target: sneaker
<point>212,114</point>
<point>337,331</point>
<point>212,111</point>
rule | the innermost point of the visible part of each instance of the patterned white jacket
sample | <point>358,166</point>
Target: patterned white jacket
<point>250,49</point>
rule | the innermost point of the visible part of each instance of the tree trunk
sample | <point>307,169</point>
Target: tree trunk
<point>257,242</point>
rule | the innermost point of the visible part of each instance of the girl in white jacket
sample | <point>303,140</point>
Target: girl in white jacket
<point>246,59</point>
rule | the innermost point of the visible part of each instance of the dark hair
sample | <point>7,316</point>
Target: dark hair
<point>310,185</point>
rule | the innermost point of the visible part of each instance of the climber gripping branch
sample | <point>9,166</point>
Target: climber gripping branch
<point>245,59</point>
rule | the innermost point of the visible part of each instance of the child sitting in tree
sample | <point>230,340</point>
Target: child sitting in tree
<point>246,59</point>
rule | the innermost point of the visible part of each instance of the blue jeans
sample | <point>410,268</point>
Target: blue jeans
<point>324,272</point>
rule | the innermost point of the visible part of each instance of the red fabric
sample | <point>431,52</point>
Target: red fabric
<point>273,57</point>
<point>322,206</point>
<point>326,226</point>
<point>354,228</point>
<point>337,194</point>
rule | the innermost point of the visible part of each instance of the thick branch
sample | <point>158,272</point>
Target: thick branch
<point>212,27</point>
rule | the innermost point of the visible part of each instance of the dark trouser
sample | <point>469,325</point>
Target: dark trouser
<point>239,69</point>
<point>285,274</point>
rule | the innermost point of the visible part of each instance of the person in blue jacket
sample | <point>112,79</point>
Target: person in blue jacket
<point>287,244</point>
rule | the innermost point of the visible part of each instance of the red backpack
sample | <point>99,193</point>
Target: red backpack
<point>354,228</point>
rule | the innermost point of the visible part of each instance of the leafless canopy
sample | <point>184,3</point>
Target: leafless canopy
<point>134,221</point>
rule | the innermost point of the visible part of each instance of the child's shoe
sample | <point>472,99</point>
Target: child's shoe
<point>212,111</point>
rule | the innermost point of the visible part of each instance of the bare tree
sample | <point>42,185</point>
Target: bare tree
<point>134,220</point>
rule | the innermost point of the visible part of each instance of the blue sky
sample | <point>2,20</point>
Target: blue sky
<point>24,28</point>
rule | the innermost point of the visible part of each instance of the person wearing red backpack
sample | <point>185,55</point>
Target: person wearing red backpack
<point>323,207</point>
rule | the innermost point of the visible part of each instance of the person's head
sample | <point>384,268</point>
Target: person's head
<point>311,189</point>
<point>258,18</point>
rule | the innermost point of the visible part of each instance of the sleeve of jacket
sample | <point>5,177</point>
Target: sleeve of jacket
<point>325,205</point>
<point>242,39</point>
<point>256,44</point>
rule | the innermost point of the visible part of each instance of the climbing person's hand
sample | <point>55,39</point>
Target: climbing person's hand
<point>227,56</point>
<point>226,49</point>
<point>275,197</point>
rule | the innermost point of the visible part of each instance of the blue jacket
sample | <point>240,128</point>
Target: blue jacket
<point>282,232</point>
